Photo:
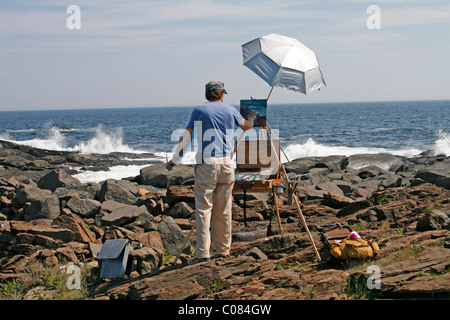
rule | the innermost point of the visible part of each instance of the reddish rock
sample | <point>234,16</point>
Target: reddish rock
<point>74,223</point>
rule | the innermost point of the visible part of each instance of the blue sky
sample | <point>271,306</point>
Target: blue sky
<point>140,53</point>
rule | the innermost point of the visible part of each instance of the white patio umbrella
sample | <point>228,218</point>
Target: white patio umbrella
<point>284,62</point>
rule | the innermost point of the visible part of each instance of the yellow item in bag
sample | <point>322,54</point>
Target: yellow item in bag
<point>354,249</point>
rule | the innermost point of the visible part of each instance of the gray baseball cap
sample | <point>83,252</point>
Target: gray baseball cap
<point>216,85</point>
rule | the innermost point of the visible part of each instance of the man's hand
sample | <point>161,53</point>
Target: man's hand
<point>170,165</point>
<point>248,124</point>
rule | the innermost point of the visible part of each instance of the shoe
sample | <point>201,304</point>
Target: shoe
<point>197,260</point>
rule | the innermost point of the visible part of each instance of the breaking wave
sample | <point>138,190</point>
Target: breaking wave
<point>442,145</point>
<point>102,141</point>
<point>313,149</point>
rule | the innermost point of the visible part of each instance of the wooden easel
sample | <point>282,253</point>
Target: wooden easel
<point>272,185</point>
<point>253,174</point>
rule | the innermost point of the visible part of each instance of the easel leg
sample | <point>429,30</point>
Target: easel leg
<point>275,202</point>
<point>245,207</point>
<point>306,226</point>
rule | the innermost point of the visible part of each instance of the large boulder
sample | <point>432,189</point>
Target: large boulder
<point>124,215</point>
<point>172,236</point>
<point>85,208</point>
<point>74,223</point>
<point>45,207</point>
<point>383,161</point>
<point>14,161</point>
<point>56,179</point>
<point>27,193</point>
<point>148,259</point>
<point>59,234</point>
<point>328,164</point>
<point>434,220</point>
<point>437,174</point>
<point>177,193</point>
<point>118,190</point>
<point>336,201</point>
<point>158,176</point>
<point>180,210</point>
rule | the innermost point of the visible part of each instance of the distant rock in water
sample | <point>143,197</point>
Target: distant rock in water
<point>64,128</point>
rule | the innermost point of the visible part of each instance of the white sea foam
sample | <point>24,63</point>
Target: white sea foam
<point>53,141</point>
<point>103,142</point>
<point>442,145</point>
<point>116,172</point>
<point>313,149</point>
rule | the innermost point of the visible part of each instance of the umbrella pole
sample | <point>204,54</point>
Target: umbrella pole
<point>270,93</point>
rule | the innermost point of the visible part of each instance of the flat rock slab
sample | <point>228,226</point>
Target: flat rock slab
<point>189,282</point>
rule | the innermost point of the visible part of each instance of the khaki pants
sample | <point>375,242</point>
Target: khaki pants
<point>214,181</point>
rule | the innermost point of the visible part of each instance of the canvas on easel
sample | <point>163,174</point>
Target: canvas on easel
<point>259,107</point>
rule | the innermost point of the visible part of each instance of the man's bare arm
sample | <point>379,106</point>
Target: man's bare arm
<point>181,147</point>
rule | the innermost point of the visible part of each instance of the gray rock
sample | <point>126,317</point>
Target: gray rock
<point>14,161</point>
<point>26,193</point>
<point>370,172</point>
<point>353,207</point>
<point>328,187</point>
<point>180,210</point>
<point>82,159</point>
<point>131,187</point>
<point>300,166</point>
<point>86,208</point>
<point>158,176</point>
<point>109,206</point>
<point>434,220</point>
<point>45,207</point>
<point>345,186</point>
<point>123,215</point>
<point>383,161</point>
<point>391,181</point>
<point>437,174</point>
<point>87,191</point>
<point>56,179</point>
<point>256,254</point>
<point>117,191</point>
<point>172,236</point>
<point>336,201</point>
<point>59,234</point>
<point>249,236</point>
<point>304,165</point>
<point>148,259</point>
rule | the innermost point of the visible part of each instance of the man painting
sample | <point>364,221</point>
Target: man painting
<point>214,170</point>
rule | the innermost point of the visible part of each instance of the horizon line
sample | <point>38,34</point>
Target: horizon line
<point>192,106</point>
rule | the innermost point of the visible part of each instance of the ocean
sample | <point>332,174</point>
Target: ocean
<point>405,128</point>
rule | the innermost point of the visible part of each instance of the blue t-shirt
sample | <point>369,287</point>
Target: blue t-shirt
<point>215,121</point>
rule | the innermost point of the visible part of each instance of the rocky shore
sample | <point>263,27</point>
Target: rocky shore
<point>49,219</point>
